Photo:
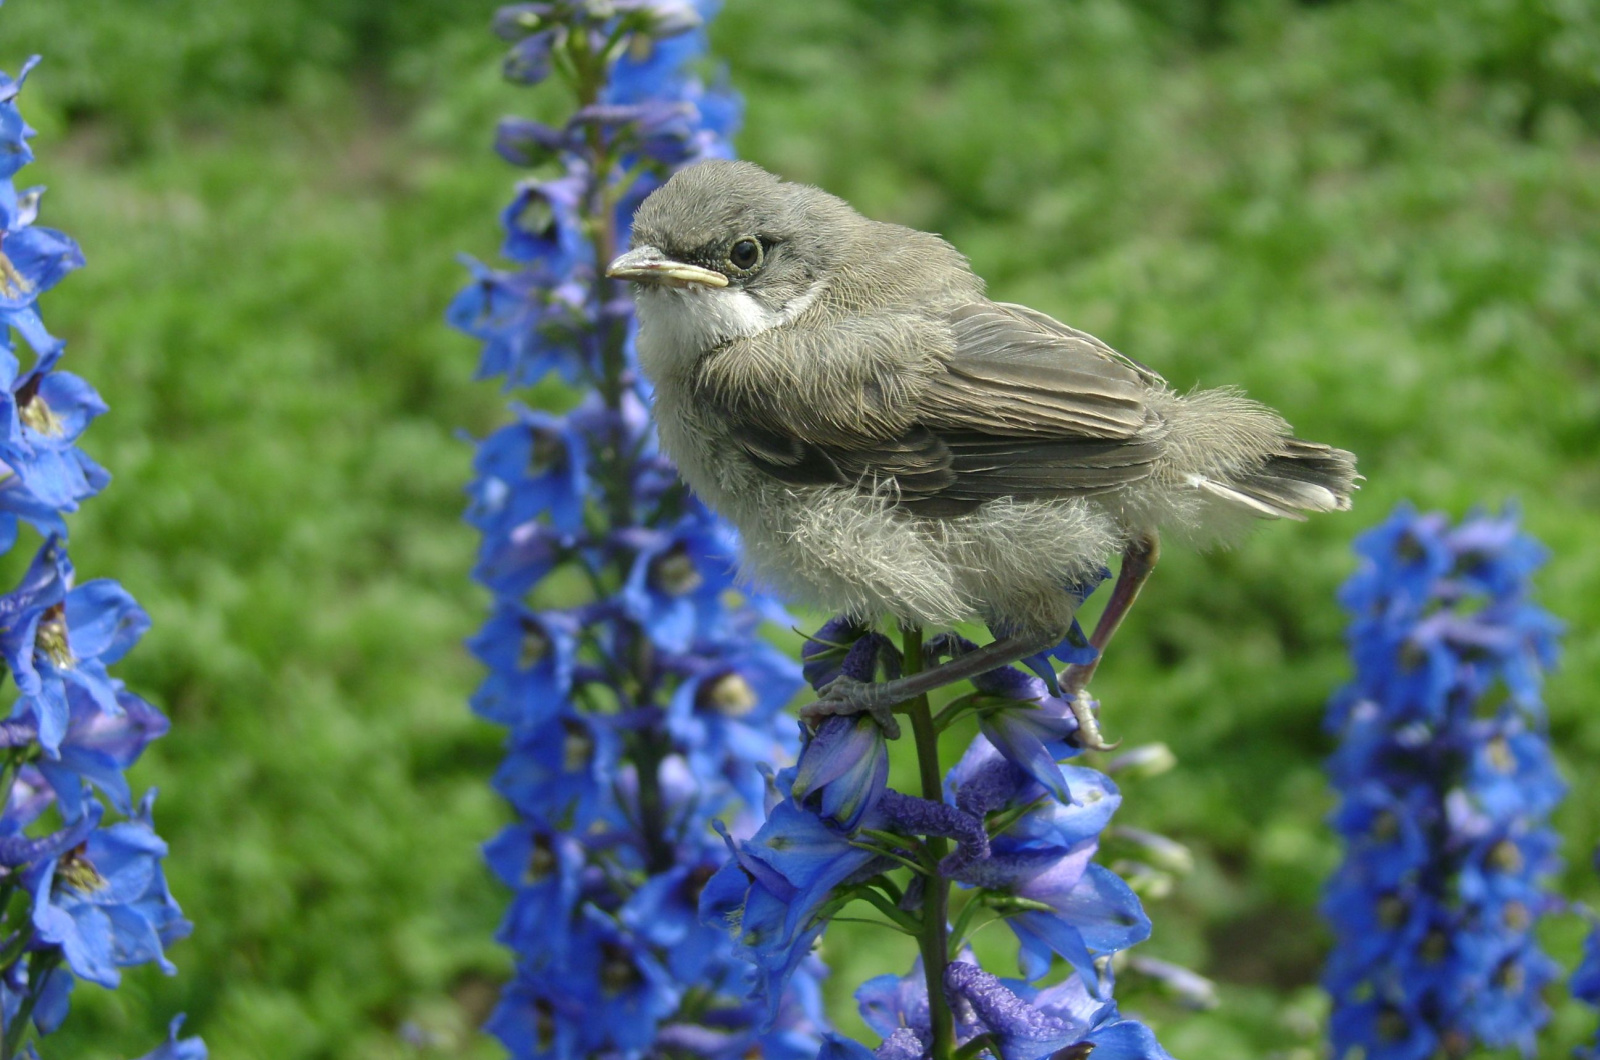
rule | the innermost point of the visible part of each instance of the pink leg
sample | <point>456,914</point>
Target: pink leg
<point>1138,560</point>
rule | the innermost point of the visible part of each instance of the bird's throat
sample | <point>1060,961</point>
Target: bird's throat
<point>677,326</point>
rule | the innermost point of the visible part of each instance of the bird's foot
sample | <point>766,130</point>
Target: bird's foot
<point>1089,737</point>
<point>847,695</point>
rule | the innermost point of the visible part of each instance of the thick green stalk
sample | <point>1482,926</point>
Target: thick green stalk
<point>600,221</point>
<point>934,939</point>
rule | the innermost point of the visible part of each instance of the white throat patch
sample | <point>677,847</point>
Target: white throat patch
<point>677,325</point>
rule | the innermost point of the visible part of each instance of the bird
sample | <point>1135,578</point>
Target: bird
<point>892,443</point>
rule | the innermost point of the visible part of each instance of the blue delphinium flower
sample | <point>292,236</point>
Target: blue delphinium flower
<point>677,581</point>
<point>1446,785</point>
<point>175,1048</point>
<point>80,897</point>
<point>725,710</point>
<point>844,765</point>
<point>1010,824</point>
<point>638,697</point>
<point>772,894</point>
<point>58,638</point>
<point>105,902</point>
<point>1011,1017</point>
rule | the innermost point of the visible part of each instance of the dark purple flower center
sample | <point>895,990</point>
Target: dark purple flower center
<point>1392,1025</point>
<point>547,453</point>
<point>577,747</point>
<point>541,861</point>
<point>674,573</point>
<point>618,972</point>
<point>534,645</point>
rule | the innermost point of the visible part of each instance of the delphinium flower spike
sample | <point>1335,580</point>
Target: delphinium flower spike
<point>1014,824</point>
<point>82,892</point>
<point>1446,785</point>
<point>639,699</point>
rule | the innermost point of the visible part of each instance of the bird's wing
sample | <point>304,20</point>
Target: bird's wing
<point>1013,404</point>
<point>1016,372</point>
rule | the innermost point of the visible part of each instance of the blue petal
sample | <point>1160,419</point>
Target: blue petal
<point>54,999</point>
<point>1106,911</point>
<point>103,621</point>
<point>84,934</point>
<point>1019,733</point>
<point>836,1047</point>
<point>40,256</point>
<point>175,1049</point>
<point>1127,1040</point>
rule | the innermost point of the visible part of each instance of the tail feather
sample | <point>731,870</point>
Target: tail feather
<point>1301,477</point>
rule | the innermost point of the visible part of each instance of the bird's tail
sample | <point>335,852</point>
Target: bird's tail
<point>1299,477</point>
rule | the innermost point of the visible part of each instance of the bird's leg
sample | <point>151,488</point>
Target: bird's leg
<point>879,698</point>
<point>1138,560</point>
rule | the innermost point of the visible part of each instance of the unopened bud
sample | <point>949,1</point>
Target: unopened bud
<point>1187,987</point>
<point>1146,882</point>
<point>1160,851</point>
<point>672,17</point>
<point>1150,760</point>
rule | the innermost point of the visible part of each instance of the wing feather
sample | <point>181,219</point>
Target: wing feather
<point>1020,406</point>
<point>1014,371</point>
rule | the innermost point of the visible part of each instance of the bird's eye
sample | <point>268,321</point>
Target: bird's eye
<point>745,254</point>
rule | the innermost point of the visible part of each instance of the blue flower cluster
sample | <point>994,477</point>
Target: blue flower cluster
<point>1446,784</point>
<point>639,700</point>
<point>1015,828</point>
<point>80,897</point>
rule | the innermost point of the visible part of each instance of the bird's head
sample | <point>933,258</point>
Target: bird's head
<point>733,250</point>
<point>725,250</point>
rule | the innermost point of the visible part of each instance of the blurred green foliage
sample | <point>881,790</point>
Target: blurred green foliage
<point>1381,216</point>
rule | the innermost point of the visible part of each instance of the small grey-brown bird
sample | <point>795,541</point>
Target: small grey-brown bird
<point>889,441</point>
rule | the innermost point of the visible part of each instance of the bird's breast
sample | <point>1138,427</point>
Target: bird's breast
<point>702,446</point>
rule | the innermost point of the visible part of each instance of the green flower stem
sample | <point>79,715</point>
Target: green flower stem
<point>958,931</point>
<point>889,839</point>
<point>953,710</point>
<point>659,854</point>
<point>903,861</point>
<point>888,887</point>
<point>977,1045</point>
<point>936,895</point>
<point>1006,818</point>
<point>900,917</point>
<point>599,218</point>
<point>13,763</point>
<point>18,946</point>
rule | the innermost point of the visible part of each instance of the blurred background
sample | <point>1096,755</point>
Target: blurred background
<point>1380,216</point>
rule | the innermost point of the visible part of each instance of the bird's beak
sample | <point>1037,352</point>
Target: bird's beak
<point>646,264</point>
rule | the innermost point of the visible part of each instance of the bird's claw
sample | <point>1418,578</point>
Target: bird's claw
<point>847,695</point>
<point>1089,737</point>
